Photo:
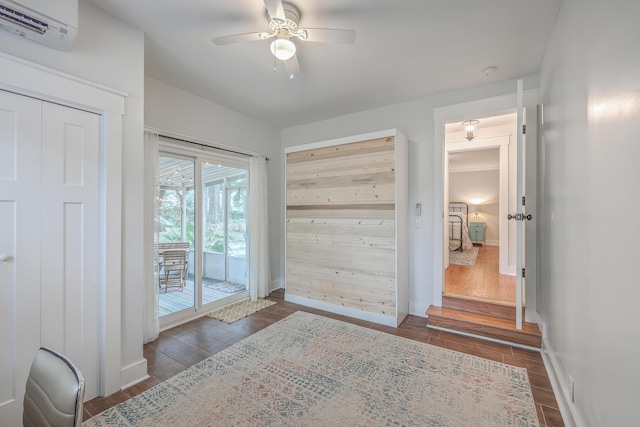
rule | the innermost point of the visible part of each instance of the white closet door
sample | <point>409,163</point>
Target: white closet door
<point>20,213</point>
<point>50,242</point>
<point>71,238</point>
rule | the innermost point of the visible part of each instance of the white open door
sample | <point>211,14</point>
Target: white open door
<point>520,215</point>
<point>445,217</point>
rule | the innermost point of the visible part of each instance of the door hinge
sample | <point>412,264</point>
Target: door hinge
<point>523,272</point>
<point>524,129</point>
<point>523,202</point>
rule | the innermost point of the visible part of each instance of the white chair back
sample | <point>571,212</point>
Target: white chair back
<point>54,392</point>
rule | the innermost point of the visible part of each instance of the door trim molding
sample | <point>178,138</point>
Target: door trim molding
<point>37,81</point>
<point>29,79</point>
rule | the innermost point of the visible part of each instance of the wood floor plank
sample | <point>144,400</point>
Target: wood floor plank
<point>482,280</point>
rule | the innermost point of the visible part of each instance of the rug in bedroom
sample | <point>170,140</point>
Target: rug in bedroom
<point>466,257</point>
<point>309,370</point>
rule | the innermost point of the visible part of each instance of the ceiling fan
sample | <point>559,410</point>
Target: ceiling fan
<point>283,19</point>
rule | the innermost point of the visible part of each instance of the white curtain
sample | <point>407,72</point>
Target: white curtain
<point>151,318</point>
<point>259,273</point>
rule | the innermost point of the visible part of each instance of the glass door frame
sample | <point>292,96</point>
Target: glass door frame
<point>199,155</point>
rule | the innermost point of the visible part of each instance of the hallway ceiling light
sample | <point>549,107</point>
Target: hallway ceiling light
<point>470,129</point>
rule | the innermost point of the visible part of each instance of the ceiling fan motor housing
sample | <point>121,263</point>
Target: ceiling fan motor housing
<point>291,24</point>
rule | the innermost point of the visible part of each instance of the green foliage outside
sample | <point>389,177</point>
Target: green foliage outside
<point>169,217</point>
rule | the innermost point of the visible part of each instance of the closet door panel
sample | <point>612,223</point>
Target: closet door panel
<point>19,248</point>
<point>71,237</point>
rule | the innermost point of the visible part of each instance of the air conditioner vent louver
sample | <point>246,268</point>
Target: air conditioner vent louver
<point>51,23</point>
<point>23,20</point>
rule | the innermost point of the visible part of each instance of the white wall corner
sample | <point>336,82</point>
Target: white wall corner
<point>133,374</point>
<point>418,308</point>
<point>277,284</point>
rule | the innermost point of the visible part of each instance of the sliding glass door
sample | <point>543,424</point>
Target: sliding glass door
<point>201,231</point>
<point>174,231</point>
<point>225,230</point>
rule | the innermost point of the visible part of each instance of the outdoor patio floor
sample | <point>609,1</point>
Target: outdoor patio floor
<point>174,299</point>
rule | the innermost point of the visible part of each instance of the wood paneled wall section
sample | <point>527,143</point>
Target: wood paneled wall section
<point>341,230</point>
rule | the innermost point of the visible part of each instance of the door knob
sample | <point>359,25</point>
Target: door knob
<point>520,217</point>
<point>5,258</point>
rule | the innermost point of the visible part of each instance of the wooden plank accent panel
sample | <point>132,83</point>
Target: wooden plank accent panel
<point>360,173</point>
<point>341,231</point>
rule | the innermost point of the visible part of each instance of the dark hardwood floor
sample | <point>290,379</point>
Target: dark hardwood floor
<point>178,348</point>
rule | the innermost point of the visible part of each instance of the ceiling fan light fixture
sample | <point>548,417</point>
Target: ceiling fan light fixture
<point>283,48</point>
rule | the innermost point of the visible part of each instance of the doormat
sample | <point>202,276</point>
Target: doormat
<point>240,309</point>
<point>466,257</point>
<point>226,287</point>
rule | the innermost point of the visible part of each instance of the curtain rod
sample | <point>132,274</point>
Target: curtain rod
<point>209,146</point>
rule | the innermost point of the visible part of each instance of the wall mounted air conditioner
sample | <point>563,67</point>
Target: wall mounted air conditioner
<point>52,23</point>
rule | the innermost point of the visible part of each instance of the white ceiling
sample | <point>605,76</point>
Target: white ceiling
<point>474,161</point>
<point>404,50</point>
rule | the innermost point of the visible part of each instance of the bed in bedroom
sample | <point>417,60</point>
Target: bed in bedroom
<point>459,239</point>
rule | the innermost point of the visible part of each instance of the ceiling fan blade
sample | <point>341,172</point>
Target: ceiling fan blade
<point>328,35</point>
<point>292,67</point>
<point>239,38</point>
<point>275,10</point>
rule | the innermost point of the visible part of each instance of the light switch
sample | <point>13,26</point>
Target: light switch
<point>418,209</point>
<point>418,223</point>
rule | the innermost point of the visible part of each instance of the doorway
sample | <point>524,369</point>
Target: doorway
<point>482,109</point>
<point>201,214</point>
<point>477,196</point>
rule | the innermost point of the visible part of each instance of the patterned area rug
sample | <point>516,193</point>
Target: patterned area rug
<point>308,370</point>
<point>226,287</point>
<point>240,309</point>
<point>466,257</point>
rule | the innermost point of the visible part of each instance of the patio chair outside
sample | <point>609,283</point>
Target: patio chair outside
<point>173,269</point>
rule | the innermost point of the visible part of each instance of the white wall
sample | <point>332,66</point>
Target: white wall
<point>590,89</point>
<point>415,120</point>
<point>174,110</point>
<point>110,53</point>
